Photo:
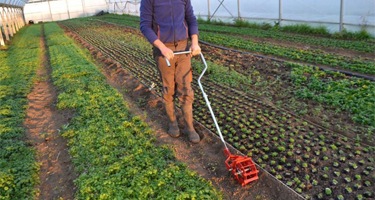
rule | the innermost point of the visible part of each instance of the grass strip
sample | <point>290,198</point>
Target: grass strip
<point>18,66</point>
<point>113,150</point>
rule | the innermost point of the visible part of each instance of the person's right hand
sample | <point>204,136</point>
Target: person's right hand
<point>167,52</point>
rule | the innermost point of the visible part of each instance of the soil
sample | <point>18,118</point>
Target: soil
<point>43,121</point>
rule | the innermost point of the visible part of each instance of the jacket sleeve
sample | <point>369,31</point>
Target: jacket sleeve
<point>146,21</point>
<point>190,19</point>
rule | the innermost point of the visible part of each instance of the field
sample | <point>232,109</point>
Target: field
<point>302,106</point>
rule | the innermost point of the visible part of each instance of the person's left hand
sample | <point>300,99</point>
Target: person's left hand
<point>195,49</point>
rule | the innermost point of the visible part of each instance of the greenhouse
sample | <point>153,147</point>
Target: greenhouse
<point>281,96</point>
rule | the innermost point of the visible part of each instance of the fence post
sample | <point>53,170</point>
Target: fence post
<point>19,18</point>
<point>14,16</point>
<point>84,8</point>
<point>67,8</point>
<point>341,15</point>
<point>280,12</point>
<point>5,23</point>
<point>9,22</point>
<point>239,9</point>
<point>23,17</point>
<point>2,42</point>
<point>209,13</point>
<point>50,11</point>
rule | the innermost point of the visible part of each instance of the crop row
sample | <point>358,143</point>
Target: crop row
<point>286,146</point>
<point>355,94</point>
<point>362,46</point>
<point>310,56</point>
<point>113,150</point>
<point>18,66</point>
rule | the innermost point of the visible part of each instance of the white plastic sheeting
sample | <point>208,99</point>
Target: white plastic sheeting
<point>62,10</point>
<point>124,6</point>
<point>351,14</point>
<point>356,14</point>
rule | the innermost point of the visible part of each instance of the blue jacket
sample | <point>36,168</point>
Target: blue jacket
<point>167,20</point>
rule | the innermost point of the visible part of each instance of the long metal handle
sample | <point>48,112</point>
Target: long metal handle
<point>204,94</point>
<point>176,53</point>
<point>208,102</point>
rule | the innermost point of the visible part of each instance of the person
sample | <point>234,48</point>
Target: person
<point>168,25</point>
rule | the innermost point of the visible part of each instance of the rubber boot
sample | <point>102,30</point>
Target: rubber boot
<point>187,110</point>
<point>173,129</point>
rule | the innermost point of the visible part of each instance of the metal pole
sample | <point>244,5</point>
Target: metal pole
<point>280,12</point>
<point>15,19</point>
<point>19,17</point>
<point>50,12</point>
<point>5,24</point>
<point>83,8</point>
<point>10,26</point>
<point>239,10</point>
<point>67,8</point>
<point>2,42</point>
<point>107,3</point>
<point>10,13</point>
<point>209,13</point>
<point>135,7</point>
<point>23,17</point>
<point>341,16</point>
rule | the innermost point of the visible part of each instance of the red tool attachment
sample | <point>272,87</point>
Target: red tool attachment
<point>242,167</point>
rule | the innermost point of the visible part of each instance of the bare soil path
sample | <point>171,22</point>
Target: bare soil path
<point>43,121</point>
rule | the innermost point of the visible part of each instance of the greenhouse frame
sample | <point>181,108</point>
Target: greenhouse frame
<point>336,15</point>
<point>282,97</point>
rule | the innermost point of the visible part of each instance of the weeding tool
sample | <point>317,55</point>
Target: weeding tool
<point>242,167</point>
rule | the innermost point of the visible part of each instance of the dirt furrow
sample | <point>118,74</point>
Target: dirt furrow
<point>43,121</point>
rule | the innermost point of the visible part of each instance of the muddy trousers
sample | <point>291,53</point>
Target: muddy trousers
<point>176,80</point>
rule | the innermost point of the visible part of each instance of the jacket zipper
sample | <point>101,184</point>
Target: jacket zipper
<point>173,28</point>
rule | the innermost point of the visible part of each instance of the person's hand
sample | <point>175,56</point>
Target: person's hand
<point>195,49</point>
<point>167,52</point>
